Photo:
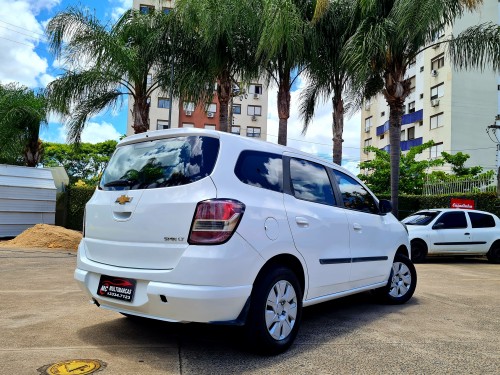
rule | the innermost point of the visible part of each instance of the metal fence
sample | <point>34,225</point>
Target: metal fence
<point>485,184</point>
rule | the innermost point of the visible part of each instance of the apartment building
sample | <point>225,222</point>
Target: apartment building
<point>451,107</point>
<point>249,109</point>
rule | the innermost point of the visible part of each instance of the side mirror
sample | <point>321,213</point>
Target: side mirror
<point>384,206</point>
<point>438,226</point>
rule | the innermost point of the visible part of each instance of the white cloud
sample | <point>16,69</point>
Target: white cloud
<point>93,132</point>
<point>119,7</point>
<point>20,34</point>
<point>318,139</point>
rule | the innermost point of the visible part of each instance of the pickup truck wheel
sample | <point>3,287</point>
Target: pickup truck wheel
<point>275,312</point>
<point>402,282</point>
<point>418,251</point>
<point>494,254</point>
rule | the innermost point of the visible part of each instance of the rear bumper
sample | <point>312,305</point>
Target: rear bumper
<point>180,303</point>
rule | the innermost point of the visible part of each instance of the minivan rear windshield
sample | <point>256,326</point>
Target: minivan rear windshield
<point>420,218</point>
<point>160,163</point>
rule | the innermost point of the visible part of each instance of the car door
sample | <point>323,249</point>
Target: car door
<point>319,228</point>
<point>483,233</point>
<point>450,233</point>
<point>371,243</point>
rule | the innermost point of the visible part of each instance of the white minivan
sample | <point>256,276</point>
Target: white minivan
<point>191,225</point>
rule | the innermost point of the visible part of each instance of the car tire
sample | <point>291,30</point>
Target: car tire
<point>275,311</point>
<point>418,251</point>
<point>493,254</point>
<point>402,282</point>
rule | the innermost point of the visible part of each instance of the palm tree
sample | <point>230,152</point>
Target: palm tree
<point>106,63</point>
<point>327,73</point>
<point>22,112</point>
<point>217,41</point>
<point>390,36</point>
<point>281,50</point>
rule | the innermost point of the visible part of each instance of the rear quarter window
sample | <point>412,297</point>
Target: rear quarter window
<point>479,220</point>
<point>160,163</point>
<point>260,169</point>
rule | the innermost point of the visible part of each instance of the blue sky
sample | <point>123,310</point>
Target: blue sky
<point>25,58</point>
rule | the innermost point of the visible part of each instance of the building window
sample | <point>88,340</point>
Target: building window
<point>368,124</point>
<point>166,10</point>
<point>149,80</point>
<point>382,114</point>
<point>421,69</point>
<point>253,132</point>
<point>411,107</point>
<point>145,9</point>
<point>420,123</point>
<point>382,136</point>
<point>412,63</point>
<point>411,133</point>
<point>162,124</point>
<point>368,142</point>
<point>437,121</point>
<point>413,81</point>
<point>437,62</point>
<point>211,109</point>
<point>236,109</point>
<point>421,96</point>
<point>255,89</point>
<point>164,103</point>
<point>402,135</point>
<point>437,91</point>
<point>236,129</point>
<point>436,150</point>
<point>187,125</point>
<point>254,110</point>
<point>188,107</point>
<point>210,126</point>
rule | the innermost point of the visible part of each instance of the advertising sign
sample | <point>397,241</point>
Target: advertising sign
<point>469,204</point>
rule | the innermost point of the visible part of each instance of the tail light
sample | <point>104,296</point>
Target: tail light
<point>215,221</point>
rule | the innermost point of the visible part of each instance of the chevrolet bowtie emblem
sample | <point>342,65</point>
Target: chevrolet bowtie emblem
<point>122,199</point>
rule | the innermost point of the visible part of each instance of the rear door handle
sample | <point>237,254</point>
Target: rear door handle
<point>356,226</point>
<point>302,221</point>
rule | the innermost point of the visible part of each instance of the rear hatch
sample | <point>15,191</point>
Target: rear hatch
<point>141,214</point>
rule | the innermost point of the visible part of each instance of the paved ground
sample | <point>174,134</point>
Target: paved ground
<point>451,326</point>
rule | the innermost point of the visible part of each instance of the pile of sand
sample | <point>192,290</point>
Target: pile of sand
<point>45,236</point>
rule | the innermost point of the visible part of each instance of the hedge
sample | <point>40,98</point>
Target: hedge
<point>411,203</point>
<point>77,197</point>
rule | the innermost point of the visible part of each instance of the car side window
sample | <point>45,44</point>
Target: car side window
<point>260,169</point>
<point>310,182</point>
<point>452,220</point>
<point>479,220</point>
<point>354,195</point>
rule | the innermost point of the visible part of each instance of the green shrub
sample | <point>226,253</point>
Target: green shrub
<point>412,203</point>
<point>78,196</point>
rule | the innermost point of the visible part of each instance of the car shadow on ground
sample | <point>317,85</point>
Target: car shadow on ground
<point>458,259</point>
<point>206,349</point>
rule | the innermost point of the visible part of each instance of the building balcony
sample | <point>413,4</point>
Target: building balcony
<point>409,118</point>
<point>405,145</point>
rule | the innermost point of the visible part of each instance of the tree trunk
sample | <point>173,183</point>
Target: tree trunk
<point>140,114</point>
<point>224,95</point>
<point>395,117</point>
<point>338,128</point>
<point>396,90</point>
<point>283,107</point>
<point>33,153</point>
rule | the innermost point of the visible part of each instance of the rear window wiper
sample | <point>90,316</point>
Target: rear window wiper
<point>120,183</point>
